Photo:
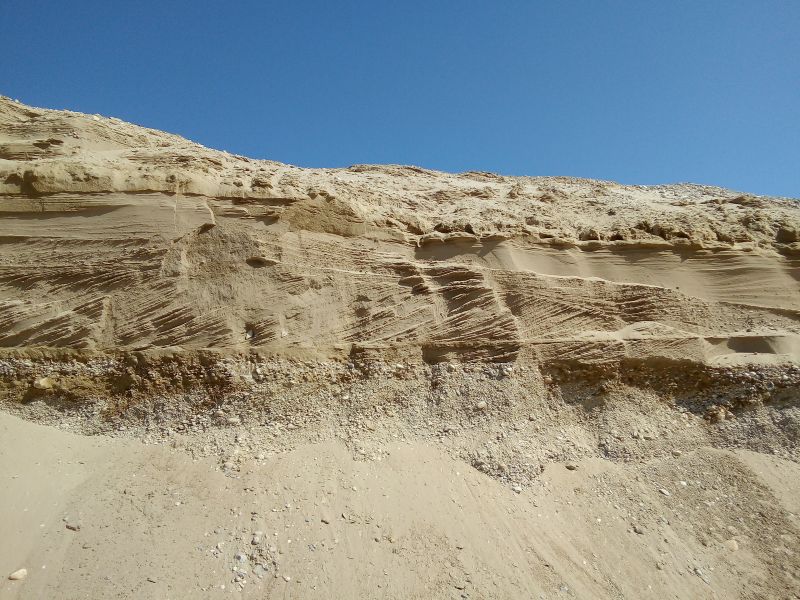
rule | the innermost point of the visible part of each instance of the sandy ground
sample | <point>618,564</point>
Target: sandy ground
<point>153,523</point>
<point>223,377</point>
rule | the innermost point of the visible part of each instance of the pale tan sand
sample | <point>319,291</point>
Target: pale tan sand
<point>415,525</point>
<point>394,368</point>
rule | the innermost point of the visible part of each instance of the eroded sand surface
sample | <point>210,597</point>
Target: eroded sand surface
<point>413,384</point>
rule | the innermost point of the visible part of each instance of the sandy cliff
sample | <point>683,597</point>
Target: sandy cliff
<point>463,336</point>
<point>119,237</point>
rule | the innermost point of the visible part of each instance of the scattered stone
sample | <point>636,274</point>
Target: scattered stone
<point>699,572</point>
<point>18,575</point>
<point>732,545</point>
<point>664,492</point>
<point>571,467</point>
<point>326,521</point>
<point>286,578</point>
<point>259,571</point>
<point>638,529</point>
<point>676,453</point>
<point>517,489</point>
<point>151,579</point>
<point>481,405</point>
<point>43,383</point>
<point>72,524</point>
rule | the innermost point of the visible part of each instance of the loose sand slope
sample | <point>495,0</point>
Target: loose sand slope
<point>154,524</point>
<point>415,357</point>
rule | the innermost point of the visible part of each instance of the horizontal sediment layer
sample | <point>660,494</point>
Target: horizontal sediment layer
<point>157,395</point>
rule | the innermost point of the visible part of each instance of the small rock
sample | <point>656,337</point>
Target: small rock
<point>572,467</point>
<point>664,492</point>
<point>259,571</point>
<point>676,453</point>
<point>517,489</point>
<point>43,383</point>
<point>732,545</point>
<point>18,575</point>
<point>286,578</point>
<point>481,405</point>
<point>699,572</point>
<point>638,529</point>
<point>326,521</point>
<point>73,525</point>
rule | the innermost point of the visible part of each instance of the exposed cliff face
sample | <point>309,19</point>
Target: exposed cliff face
<point>120,237</point>
<point>505,326</point>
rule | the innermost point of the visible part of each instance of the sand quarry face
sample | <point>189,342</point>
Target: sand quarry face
<point>230,378</point>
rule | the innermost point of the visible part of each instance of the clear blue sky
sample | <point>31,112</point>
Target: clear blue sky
<point>638,91</point>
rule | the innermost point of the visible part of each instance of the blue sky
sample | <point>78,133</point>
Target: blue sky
<point>637,91</point>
